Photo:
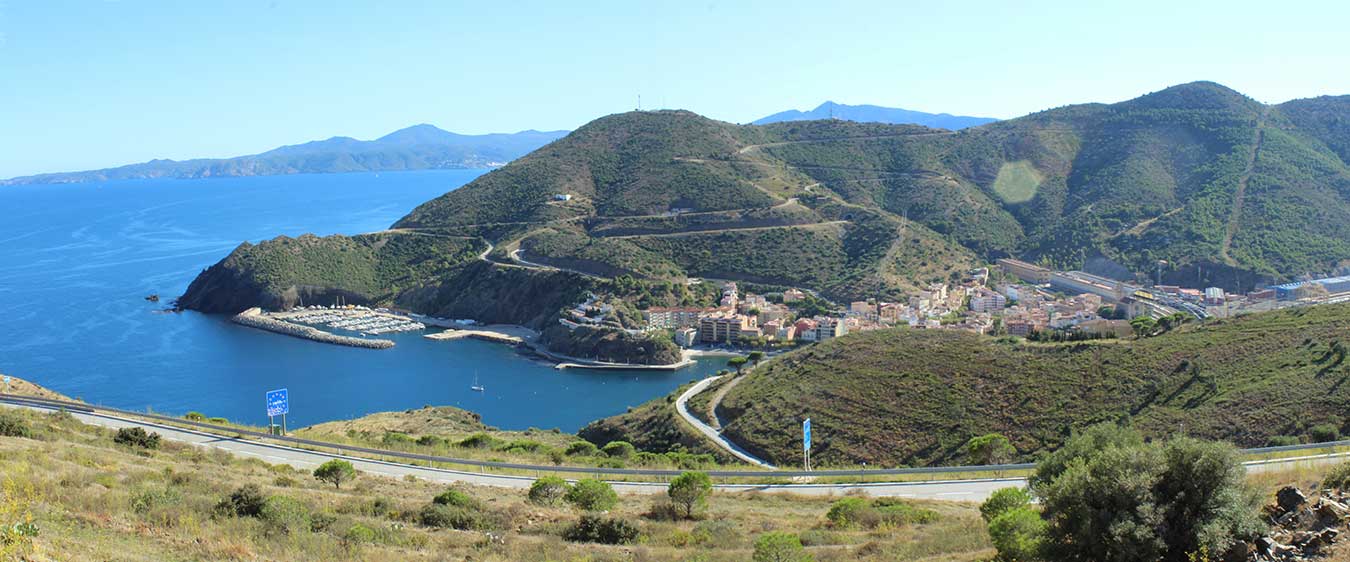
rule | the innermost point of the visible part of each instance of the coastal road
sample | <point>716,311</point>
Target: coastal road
<point>964,490</point>
<point>682,406</point>
<point>957,490</point>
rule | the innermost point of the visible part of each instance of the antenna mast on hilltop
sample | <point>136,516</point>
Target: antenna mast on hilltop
<point>639,108</point>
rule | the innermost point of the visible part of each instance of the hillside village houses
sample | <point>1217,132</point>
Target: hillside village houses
<point>970,305</point>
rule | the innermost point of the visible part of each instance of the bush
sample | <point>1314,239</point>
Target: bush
<point>136,437</point>
<point>14,426</point>
<point>217,421</point>
<point>716,531</point>
<point>548,490</point>
<point>603,530</point>
<point>581,449</point>
<point>246,501</point>
<point>689,491</point>
<point>321,521</point>
<point>1338,478</point>
<point>1282,441</point>
<point>849,513</point>
<point>392,438</point>
<point>283,515</point>
<point>619,450</point>
<point>1002,500</point>
<point>456,498</point>
<point>195,416</point>
<point>780,547</point>
<point>1324,432</point>
<point>1017,533</point>
<point>431,441</point>
<point>451,517</point>
<point>335,472</point>
<point>1089,442</point>
<point>896,512</point>
<point>1147,502</point>
<point>592,495</point>
<point>147,500</point>
<point>359,533</point>
<point>990,449</point>
<point>479,441</point>
<point>522,446</point>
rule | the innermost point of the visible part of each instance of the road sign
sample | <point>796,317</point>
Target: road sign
<point>278,403</point>
<point>806,434</point>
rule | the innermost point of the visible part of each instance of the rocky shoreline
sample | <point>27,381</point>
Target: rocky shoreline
<point>254,318</point>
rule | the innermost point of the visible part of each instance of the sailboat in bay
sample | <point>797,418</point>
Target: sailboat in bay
<point>476,386</point>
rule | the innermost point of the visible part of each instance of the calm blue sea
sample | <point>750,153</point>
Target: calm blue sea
<point>76,262</point>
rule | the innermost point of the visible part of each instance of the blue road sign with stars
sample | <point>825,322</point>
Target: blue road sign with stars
<point>278,402</point>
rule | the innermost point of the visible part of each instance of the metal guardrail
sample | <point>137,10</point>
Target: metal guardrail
<point>219,429</point>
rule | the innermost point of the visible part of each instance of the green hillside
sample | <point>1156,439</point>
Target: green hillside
<point>914,397</point>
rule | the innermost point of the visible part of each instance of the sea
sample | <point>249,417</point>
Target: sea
<point>78,260</point>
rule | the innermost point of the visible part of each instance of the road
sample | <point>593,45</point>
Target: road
<point>682,406</point>
<point>960,490</point>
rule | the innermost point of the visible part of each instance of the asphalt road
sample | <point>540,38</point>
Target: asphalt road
<point>682,406</point>
<point>957,490</point>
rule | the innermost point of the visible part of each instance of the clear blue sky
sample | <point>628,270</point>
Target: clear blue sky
<point>88,84</point>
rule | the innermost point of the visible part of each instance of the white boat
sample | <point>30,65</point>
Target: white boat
<point>476,387</point>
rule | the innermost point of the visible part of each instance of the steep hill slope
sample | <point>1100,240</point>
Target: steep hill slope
<point>876,114</point>
<point>420,147</point>
<point>916,396</point>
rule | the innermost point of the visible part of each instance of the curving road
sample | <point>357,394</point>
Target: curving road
<point>682,406</point>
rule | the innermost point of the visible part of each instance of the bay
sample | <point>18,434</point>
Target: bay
<point>76,262</point>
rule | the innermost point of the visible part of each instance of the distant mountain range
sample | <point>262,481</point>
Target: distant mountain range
<point>420,147</point>
<point>877,114</point>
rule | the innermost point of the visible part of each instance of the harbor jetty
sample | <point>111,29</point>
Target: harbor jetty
<point>487,335</point>
<point>256,318</point>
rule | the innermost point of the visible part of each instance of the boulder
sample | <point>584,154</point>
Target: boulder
<point>1290,498</point>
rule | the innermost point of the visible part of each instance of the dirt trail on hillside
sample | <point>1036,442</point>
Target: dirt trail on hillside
<point>1240,197</point>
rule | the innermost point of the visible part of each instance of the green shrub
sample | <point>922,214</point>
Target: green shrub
<point>581,448</point>
<point>1003,500</point>
<point>592,495</point>
<point>716,531</point>
<point>690,491</point>
<point>1338,478</point>
<point>335,472</point>
<point>1324,432</point>
<point>1018,534</point>
<point>13,426</point>
<point>283,515</point>
<point>896,512</point>
<point>451,517</point>
<point>849,513</point>
<point>456,498</point>
<point>821,537</point>
<point>136,437</point>
<point>603,530</point>
<point>217,421</point>
<point>321,521</point>
<point>149,499</point>
<point>548,490</point>
<point>431,441</point>
<point>780,547</point>
<point>479,441</point>
<point>195,416</point>
<point>247,501</point>
<point>990,449</point>
<point>619,449</point>
<point>522,446</point>
<point>395,438</point>
<point>1282,441</point>
<point>359,533</point>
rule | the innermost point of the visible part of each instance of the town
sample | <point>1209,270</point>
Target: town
<point>1012,298</point>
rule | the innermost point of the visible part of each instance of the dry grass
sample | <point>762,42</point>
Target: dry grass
<point>94,500</point>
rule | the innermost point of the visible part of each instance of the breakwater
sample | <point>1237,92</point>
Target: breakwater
<point>254,318</point>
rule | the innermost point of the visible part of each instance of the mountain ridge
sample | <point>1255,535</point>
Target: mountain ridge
<point>417,147</point>
<point>867,113</point>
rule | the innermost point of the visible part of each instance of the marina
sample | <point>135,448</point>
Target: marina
<point>360,319</point>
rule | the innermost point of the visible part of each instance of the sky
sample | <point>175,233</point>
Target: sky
<point>92,84</point>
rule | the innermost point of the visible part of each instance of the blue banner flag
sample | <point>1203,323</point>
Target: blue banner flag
<point>806,434</point>
<point>278,402</point>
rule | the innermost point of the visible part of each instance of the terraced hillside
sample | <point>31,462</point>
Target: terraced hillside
<point>914,397</point>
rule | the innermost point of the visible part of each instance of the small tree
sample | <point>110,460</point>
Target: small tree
<point>592,495</point>
<point>755,357</point>
<point>1003,500</point>
<point>780,547</point>
<point>548,490</point>
<point>1143,326</point>
<point>136,437</point>
<point>690,491</point>
<point>335,472</point>
<point>737,363</point>
<point>990,449</point>
<point>619,450</point>
<point>1018,534</point>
